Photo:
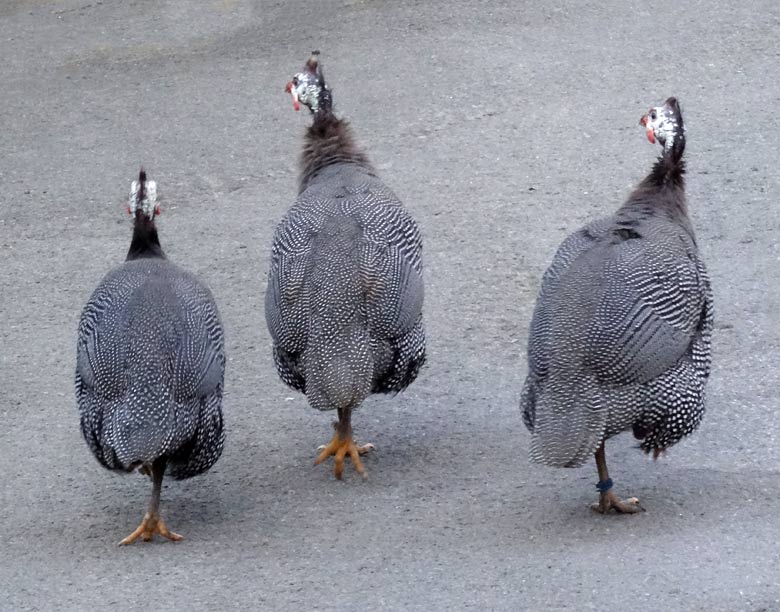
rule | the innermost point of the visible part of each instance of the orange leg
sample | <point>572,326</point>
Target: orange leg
<point>342,445</point>
<point>152,522</point>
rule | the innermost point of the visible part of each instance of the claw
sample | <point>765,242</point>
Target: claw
<point>339,448</point>
<point>610,501</point>
<point>151,525</point>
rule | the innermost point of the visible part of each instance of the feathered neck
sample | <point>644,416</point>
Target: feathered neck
<point>663,189</point>
<point>145,243</point>
<point>328,141</point>
<point>668,171</point>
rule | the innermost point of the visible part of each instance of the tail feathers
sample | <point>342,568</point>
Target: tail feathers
<point>138,438</point>
<point>568,425</point>
<point>205,446</point>
<point>339,366</point>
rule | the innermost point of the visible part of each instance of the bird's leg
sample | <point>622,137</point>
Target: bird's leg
<point>608,500</point>
<point>342,445</point>
<point>153,523</point>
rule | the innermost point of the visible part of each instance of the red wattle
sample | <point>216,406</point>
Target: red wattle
<point>650,135</point>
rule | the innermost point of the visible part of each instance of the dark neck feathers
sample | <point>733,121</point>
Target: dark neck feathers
<point>328,141</point>
<point>669,169</point>
<point>145,243</point>
<point>663,190</point>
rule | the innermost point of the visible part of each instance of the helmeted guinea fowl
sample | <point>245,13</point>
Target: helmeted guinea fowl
<point>620,337</point>
<point>150,366</point>
<point>345,290</point>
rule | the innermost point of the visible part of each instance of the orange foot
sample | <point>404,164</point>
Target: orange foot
<point>610,501</point>
<point>341,447</point>
<point>152,524</point>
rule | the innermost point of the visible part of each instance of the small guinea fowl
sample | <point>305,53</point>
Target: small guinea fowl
<point>345,291</point>
<point>621,332</point>
<point>150,366</point>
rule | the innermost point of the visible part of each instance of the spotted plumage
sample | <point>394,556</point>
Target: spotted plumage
<point>345,288</point>
<point>150,369</point>
<point>150,360</point>
<point>620,336</point>
<point>345,291</point>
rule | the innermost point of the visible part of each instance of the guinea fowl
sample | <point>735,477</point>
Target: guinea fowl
<point>151,365</point>
<point>345,290</point>
<point>621,332</point>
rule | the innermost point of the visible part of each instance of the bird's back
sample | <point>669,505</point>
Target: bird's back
<point>344,299</point>
<point>621,310</point>
<point>150,369</point>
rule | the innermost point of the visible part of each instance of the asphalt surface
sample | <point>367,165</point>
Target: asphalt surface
<point>503,127</point>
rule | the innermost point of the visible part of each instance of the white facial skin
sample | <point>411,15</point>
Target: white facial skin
<point>661,124</point>
<point>305,88</point>
<point>149,206</point>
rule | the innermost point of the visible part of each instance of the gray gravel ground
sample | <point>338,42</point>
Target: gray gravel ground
<point>503,126</point>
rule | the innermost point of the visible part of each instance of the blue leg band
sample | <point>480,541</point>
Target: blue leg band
<point>604,485</point>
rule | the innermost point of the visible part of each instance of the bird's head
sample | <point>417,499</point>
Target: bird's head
<point>664,124</point>
<point>143,198</point>
<point>308,87</point>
